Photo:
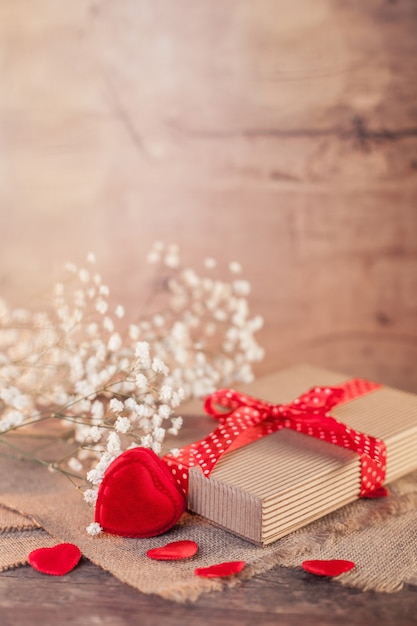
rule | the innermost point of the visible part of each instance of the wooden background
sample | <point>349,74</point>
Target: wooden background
<point>282,134</point>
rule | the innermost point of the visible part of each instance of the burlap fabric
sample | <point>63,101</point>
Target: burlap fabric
<point>378,535</point>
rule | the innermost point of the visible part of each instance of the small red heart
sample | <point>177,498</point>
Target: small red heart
<point>56,561</point>
<point>220,570</point>
<point>173,551</point>
<point>138,496</point>
<point>332,567</point>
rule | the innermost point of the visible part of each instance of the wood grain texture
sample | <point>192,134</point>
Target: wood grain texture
<point>89,596</point>
<point>282,134</point>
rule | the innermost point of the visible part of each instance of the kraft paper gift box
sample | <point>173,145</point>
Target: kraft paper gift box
<point>283,481</point>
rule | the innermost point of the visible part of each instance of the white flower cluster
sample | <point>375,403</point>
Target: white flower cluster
<point>116,384</point>
<point>205,333</point>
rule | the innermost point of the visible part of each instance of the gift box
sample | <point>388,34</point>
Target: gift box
<point>269,484</point>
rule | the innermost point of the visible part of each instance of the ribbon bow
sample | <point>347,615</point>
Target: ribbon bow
<point>311,406</point>
<point>243,419</point>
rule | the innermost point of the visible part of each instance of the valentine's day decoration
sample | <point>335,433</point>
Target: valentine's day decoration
<point>138,496</point>
<point>285,463</point>
<point>99,380</point>
<point>55,561</point>
<point>331,567</point>
<point>173,551</point>
<point>220,570</point>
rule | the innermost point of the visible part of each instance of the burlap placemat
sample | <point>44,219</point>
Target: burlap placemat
<point>16,545</point>
<point>379,535</point>
<point>12,521</point>
<point>19,535</point>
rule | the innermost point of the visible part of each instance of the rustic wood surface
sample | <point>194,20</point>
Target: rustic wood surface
<point>281,134</point>
<point>88,596</point>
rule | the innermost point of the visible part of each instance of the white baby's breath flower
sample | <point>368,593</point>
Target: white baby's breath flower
<point>113,443</point>
<point>220,315</point>
<point>84,275</point>
<point>157,420</point>
<point>190,278</point>
<point>97,410</point>
<point>114,343</point>
<point>164,411</point>
<point>92,329</point>
<point>101,306</point>
<point>165,393</point>
<point>146,441</point>
<point>156,447</point>
<point>91,258</point>
<point>143,410</point>
<point>94,434</point>
<point>171,260</point>
<point>158,434</point>
<point>141,381</point>
<point>116,406</point>
<point>134,332</point>
<point>90,496</point>
<point>94,529</point>
<point>158,320</point>
<point>142,349</point>
<point>177,397</point>
<point>130,404</point>
<point>159,366</point>
<point>177,423</point>
<point>142,353</point>
<point>153,257</point>
<point>108,324</point>
<point>241,287</point>
<point>95,476</point>
<point>12,419</point>
<point>209,263</point>
<point>70,267</point>
<point>235,267</point>
<point>75,464</point>
<point>122,424</point>
<point>59,289</point>
<point>119,311</point>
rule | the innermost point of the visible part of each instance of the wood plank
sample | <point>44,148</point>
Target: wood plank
<point>282,135</point>
<point>89,595</point>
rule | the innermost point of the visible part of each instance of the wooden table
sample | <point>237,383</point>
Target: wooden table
<point>88,595</point>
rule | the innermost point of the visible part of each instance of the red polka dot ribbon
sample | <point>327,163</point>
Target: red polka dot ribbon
<point>243,419</point>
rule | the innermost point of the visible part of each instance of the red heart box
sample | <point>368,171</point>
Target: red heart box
<point>138,496</point>
<point>56,561</point>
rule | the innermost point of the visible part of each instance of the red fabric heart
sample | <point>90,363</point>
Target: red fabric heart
<point>56,561</point>
<point>220,570</point>
<point>138,496</point>
<point>332,567</point>
<point>174,551</point>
